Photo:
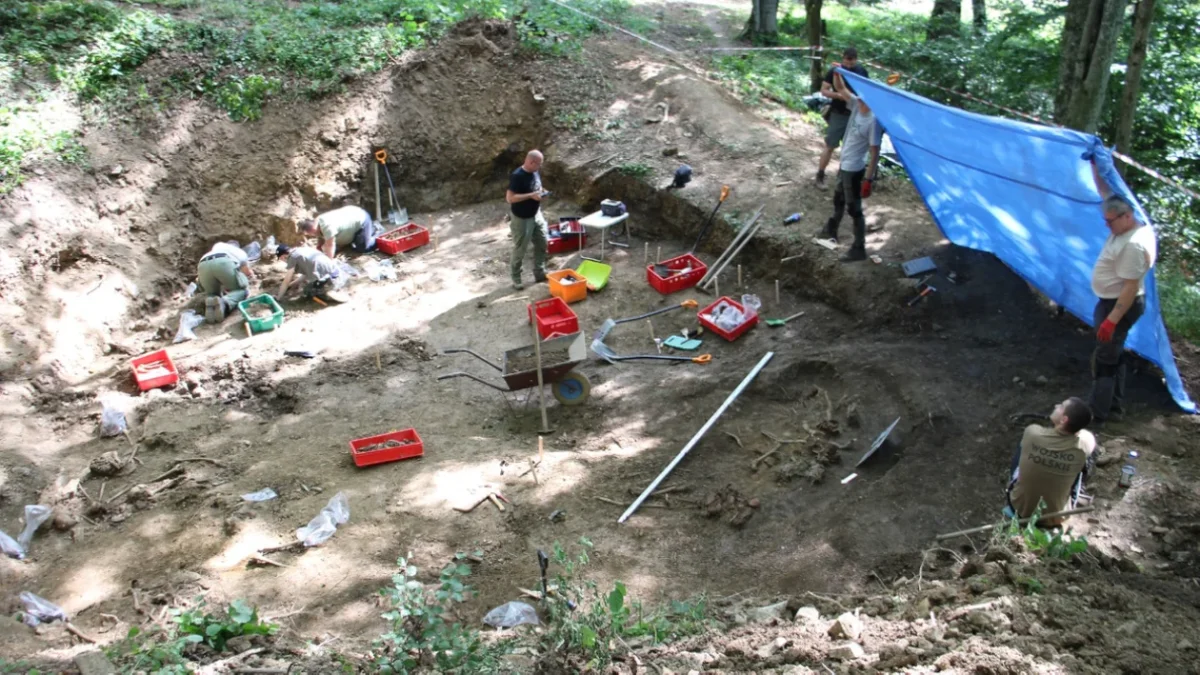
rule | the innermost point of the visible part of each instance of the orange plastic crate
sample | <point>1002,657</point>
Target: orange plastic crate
<point>401,239</point>
<point>154,370</point>
<point>554,316</point>
<point>568,285</point>
<point>411,446</point>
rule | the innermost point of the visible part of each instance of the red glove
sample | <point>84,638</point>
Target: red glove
<point>1104,334</point>
<point>866,188</point>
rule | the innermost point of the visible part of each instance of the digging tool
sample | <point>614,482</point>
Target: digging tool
<point>609,324</point>
<point>537,350</point>
<point>605,352</point>
<point>924,292</point>
<point>708,224</point>
<point>543,563</point>
<point>776,323</point>
<point>396,216</point>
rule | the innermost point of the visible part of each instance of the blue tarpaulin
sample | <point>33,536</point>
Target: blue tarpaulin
<point>1021,192</point>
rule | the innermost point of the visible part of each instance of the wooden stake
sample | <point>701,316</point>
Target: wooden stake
<point>717,285</point>
<point>378,366</point>
<point>658,255</point>
<point>541,449</point>
<point>650,325</point>
<point>435,243</point>
<point>776,291</point>
<point>1023,521</point>
<point>739,276</point>
<point>496,502</point>
<point>646,255</point>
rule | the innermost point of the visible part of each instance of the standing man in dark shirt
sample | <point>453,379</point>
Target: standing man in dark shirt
<point>527,223</point>
<point>839,112</point>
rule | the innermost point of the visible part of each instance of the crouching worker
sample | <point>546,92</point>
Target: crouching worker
<point>225,275</point>
<point>1052,463</point>
<point>315,269</point>
<point>348,227</point>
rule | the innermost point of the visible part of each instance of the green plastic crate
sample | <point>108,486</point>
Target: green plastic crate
<point>261,324</point>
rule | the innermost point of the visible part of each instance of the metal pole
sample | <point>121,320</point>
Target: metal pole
<point>696,439</point>
<point>378,206</point>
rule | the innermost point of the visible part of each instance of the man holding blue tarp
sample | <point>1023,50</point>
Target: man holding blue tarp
<point>860,161</point>
<point>1119,280</point>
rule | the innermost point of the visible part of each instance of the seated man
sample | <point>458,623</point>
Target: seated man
<point>225,268</point>
<point>311,266</point>
<point>349,226</point>
<point>1052,462</point>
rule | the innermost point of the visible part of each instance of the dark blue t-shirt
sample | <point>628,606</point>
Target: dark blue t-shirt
<point>522,182</point>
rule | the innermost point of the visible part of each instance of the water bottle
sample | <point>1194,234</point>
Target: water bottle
<point>1129,470</point>
<point>795,217</point>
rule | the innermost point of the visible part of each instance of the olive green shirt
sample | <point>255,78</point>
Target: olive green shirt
<point>1050,463</point>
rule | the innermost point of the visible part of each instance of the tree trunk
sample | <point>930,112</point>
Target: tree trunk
<point>1088,42</point>
<point>979,15</point>
<point>763,25</point>
<point>812,20</point>
<point>1133,74</point>
<point>945,19</point>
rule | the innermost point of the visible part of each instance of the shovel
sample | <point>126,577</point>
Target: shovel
<point>708,224</point>
<point>776,323</point>
<point>605,352</point>
<point>396,216</point>
<point>609,324</point>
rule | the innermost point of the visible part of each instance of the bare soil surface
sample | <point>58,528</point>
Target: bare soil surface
<point>761,510</point>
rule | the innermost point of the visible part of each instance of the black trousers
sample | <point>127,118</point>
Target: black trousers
<point>1109,360</point>
<point>848,197</point>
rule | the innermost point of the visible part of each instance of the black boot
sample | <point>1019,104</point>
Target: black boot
<point>855,254</point>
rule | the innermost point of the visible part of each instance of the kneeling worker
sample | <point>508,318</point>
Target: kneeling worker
<point>348,227</point>
<point>311,266</point>
<point>224,269</point>
<point>1052,462</point>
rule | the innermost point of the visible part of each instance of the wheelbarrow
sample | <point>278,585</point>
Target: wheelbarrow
<point>519,368</point>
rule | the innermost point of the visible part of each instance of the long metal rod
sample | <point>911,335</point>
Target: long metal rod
<point>696,439</point>
<point>736,251</point>
<point>1023,521</point>
<point>740,235</point>
<point>378,204</point>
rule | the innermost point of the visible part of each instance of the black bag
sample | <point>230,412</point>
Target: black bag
<point>612,209</point>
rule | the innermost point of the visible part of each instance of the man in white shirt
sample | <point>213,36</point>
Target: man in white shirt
<point>1119,280</point>
<point>860,161</point>
<point>347,227</point>
<point>224,269</point>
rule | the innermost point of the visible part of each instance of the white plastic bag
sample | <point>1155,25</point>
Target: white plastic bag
<point>39,610</point>
<point>726,316</point>
<point>322,527</point>
<point>318,530</point>
<point>512,614</point>
<point>35,515</point>
<point>10,547</point>
<point>752,305</point>
<point>346,272</point>
<point>253,251</point>
<point>112,422</point>
<point>188,321</point>
<point>263,495</point>
<point>189,291</point>
<point>381,270</point>
<point>338,508</point>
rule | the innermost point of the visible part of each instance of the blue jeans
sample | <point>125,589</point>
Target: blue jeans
<point>364,239</point>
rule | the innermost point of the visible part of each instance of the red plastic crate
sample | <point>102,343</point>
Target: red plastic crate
<point>730,335</point>
<point>677,282</point>
<point>568,243</point>
<point>154,370</point>
<point>412,447</point>
<point>401,239</point>
<point>554,316</point>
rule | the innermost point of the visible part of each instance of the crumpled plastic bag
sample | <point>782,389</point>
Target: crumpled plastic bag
<point>112,422</point>
<point>188,321</point>
<point>346,272</point>
<point>253,251</point>
<point>263,495</point>
<point>512,614</point>
<point>752,305</point>
<point>189,291</point>
<point>322,527</point>
<point>35,515</point>
<point>381,270</point>
<point>39,610</point>
<point>726,316</point>
<point>10,547</point>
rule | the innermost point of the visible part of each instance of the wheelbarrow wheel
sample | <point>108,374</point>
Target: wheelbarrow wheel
<point>572,389</point>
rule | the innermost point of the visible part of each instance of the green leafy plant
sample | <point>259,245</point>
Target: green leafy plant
<point>423,635</point>
<point>161,653</point>
<point>1051,544</point>
<point>240,619</point>
<point>1032,585</point>
<point>635,169</point>
<point>574,120</point>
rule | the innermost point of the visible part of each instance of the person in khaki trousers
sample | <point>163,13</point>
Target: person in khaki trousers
<point>225,275</point>
<point>527,223</point>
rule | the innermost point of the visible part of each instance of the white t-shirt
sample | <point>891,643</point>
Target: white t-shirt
<point>1128,256</point>
<point>230,250</point>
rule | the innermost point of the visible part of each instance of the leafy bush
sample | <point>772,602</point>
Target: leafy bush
<point>1179,296</point>
<point>1051,544</point>
<point>422,636</point>
<point>240,619</point>
<point>117,52</point>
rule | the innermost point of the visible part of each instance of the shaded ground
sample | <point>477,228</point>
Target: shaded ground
<point>952,369</point>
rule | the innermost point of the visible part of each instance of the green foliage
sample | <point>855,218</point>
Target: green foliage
<point>1179,297</point>
<point>422,636</point>
<point>244,97</point>
<point>156,652</point>
<point>115,53</point>
<point>555,30</point>
<point>240,619</point>
<point>635,169</point>
<point>1032,585</point>
<point>585,627</point>
<point>573,120</point>
<point>1049,544</point>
